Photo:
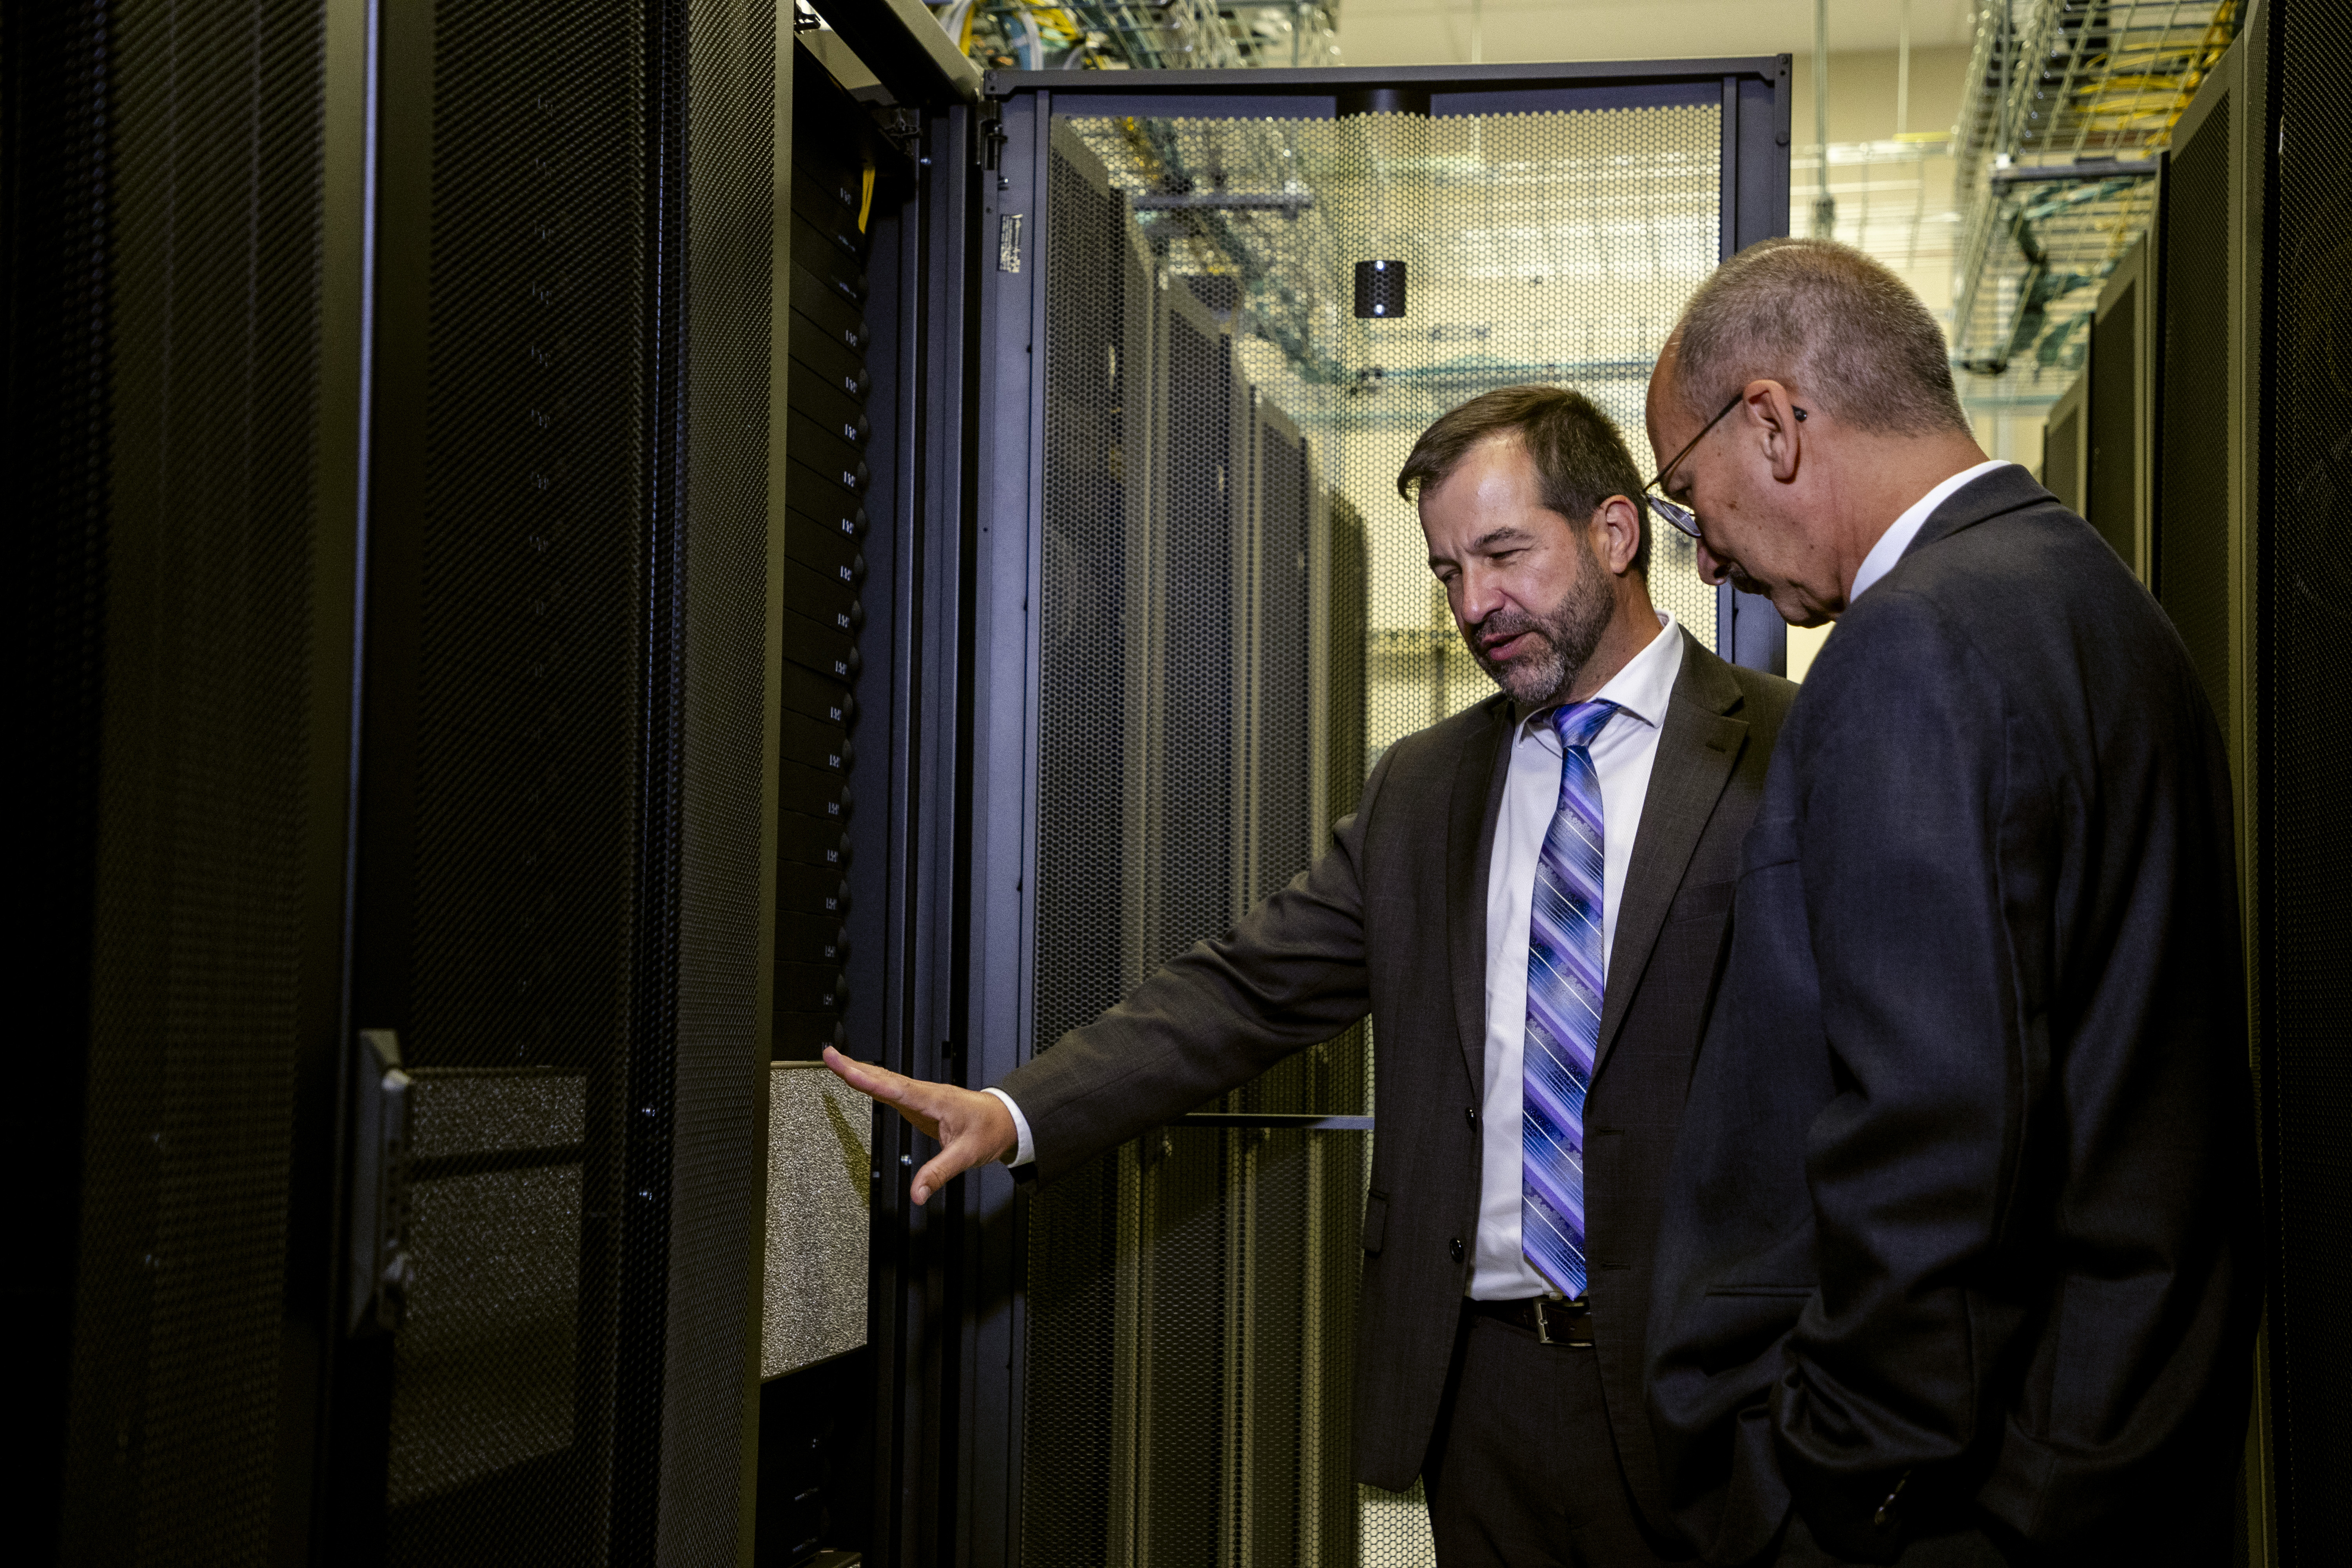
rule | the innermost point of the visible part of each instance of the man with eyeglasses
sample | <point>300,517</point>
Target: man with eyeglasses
<point>1956,1263</point>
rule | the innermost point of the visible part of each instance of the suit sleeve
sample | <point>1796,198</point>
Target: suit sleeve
<point>1917,838</point>
<point>1291,974</point>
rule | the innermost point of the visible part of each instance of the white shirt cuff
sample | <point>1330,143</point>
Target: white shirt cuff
<point>1026,1149</point>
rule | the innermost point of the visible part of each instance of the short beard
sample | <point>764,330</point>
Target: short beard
<point>1570,632</point>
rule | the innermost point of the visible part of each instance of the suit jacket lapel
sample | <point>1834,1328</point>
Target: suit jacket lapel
<point>1479,774</point>
<point>1696,751</point>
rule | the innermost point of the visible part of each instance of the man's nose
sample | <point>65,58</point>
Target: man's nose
<point>1710,570</point>
<point>1476,595</point>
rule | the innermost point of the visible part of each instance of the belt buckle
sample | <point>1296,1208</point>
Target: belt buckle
<point>1541,1307</point>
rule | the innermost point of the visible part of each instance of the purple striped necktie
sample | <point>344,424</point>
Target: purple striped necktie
<point>1566,966</point>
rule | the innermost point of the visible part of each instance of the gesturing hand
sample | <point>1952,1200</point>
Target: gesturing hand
<point>972,1128</point>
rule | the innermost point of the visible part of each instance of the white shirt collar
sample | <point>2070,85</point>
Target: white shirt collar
<point>1898,537</point>
<point>1642,687</point>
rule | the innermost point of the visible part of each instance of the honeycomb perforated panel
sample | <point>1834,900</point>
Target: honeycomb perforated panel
<point>585,954</point>
<point>486,1359</point>
<point>1238,618</point>
<point>2193,434</point>
<point>2307,859</point>
<point>712,1314</point>
<point>2114,414</point>
<point>190,199</point>
<point>2062,460</point>
<point>531,652</point>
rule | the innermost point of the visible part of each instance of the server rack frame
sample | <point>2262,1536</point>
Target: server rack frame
<point>697,1118</point>
<point>997,899</point>
<point>911,954</point>
<point>2238,87</point>
<point>918,1274</point>
<point>2233,103</point>
<point>2123,400</point>
<point>2066,446</point>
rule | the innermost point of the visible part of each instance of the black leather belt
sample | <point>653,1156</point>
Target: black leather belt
<point>1550,1320</point>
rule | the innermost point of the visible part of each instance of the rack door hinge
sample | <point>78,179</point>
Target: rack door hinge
<point>381,1270</point>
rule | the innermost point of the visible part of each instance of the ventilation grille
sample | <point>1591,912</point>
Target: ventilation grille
<point>531,652</point>
<point>206,200</point>
<point>589,686</point>
<point>2193,442</point>
<point>2114,414</point>
<point>2307,862</point>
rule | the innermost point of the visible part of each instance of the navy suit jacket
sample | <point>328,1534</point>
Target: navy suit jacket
<point>1962,1211</point>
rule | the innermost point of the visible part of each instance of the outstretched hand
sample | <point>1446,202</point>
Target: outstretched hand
<point>972,1128</point>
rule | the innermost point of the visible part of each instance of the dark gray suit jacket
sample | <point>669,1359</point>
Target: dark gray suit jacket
<point>1393,919</point>
<point>1965,1189</point>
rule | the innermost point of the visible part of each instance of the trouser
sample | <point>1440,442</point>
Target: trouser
<point>1523,1471</point>
<point>1963,1549</point>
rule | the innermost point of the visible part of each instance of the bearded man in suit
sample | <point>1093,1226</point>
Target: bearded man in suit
<point>1530,903</point>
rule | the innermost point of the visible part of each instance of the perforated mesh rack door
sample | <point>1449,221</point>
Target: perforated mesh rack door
<point>562,780</point>
<point>1235,619</point>
<point>175,596</point>
<point>2194,515</point>
<point>2306,863</point>
<point>2119,372</point>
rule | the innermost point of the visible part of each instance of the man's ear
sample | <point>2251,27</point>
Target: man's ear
<point>1617,533</point>
<point>1772,419</point>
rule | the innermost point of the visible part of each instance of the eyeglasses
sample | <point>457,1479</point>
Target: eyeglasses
<point>1674,513</point>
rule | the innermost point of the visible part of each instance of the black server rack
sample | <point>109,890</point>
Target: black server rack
<point>816,1398</point>
<point>2119,410</point>
<point>178,430</point>
<point>2287,176</point>
<point>2250,444</point>
<point>2065,447</point>
<point>827,483</point>
<point>391,387</point>
<point>560,753</point>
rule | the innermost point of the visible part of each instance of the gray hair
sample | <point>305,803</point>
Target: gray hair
<point>1823,317</point>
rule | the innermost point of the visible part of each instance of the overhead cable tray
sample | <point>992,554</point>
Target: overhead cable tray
<point>2058,142</point>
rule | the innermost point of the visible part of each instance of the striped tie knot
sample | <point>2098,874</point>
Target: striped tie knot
<point>1577,725</point>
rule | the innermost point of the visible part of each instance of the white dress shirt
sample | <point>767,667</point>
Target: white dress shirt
<point>1905,528</point>
<point>1622,754</point>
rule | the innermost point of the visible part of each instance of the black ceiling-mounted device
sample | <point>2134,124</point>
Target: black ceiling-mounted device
<point>1379,289</point>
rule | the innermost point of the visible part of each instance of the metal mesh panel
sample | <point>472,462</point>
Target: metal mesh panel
<point>590,687</point>
<point>486,1359</point>
<point>530,648</point>
<point>2307,862</point>
<point>720,1072</point>
<point>1238,617</point>
<point>202,182</point>
<point>2061,457</point>
<point>2113,414</point>
<point>2192,446</point>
